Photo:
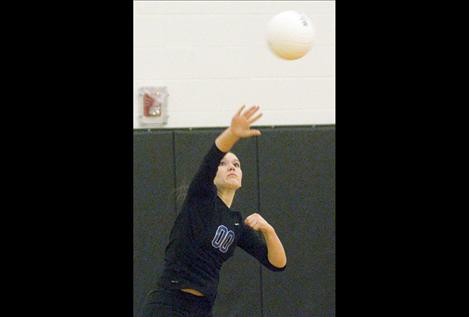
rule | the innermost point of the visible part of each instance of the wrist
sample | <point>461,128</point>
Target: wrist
<point>232,134</point>
<point>226,140</point>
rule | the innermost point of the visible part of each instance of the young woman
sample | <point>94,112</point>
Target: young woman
<point>207,231</point>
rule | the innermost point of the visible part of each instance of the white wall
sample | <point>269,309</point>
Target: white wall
<point>213,57</point>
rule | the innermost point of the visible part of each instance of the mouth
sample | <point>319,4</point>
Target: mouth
<point>232,175</point>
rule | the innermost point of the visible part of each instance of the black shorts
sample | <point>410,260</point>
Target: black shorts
<point>163,302</point>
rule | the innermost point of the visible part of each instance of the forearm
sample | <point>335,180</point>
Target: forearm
<point>276,253</point>
<point>226,140</point>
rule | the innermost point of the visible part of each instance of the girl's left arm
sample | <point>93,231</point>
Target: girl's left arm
<point>275,251</point>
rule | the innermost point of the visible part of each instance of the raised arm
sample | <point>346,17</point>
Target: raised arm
<point>202,184</point>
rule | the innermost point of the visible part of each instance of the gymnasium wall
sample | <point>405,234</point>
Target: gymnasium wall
<point>288,177</point>
<point>212,56</point>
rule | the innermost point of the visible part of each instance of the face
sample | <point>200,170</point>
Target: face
<point>229,174</point>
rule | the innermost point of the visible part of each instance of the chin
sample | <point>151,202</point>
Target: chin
<point>233,185</point>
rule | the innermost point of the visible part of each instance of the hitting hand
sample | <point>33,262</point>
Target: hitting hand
<point>241,122</point>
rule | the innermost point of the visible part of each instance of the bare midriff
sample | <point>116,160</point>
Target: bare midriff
<point>192,291</point>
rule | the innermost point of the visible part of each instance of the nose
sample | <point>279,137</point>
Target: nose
<point>231,168</point>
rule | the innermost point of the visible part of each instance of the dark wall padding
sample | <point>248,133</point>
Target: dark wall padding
<point>297,181</point>
<point>154,208</point>
<point>288,177</point>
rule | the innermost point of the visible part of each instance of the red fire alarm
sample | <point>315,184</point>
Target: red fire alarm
<point>153,103</point>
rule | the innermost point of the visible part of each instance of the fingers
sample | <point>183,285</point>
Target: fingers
<point>252,218</point>
<point>248,114</point>
<point>254,132</point>
<point>257,222</point>
<point>251,121</point>
<point>251,223</point>
<point>251,111</point>
<point>240,110</point>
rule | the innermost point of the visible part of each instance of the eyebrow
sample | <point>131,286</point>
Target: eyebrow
<point>235,160</point>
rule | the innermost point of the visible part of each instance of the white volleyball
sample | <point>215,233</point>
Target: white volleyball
<point>290,34</point>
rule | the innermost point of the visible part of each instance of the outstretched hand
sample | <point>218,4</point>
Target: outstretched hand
<point>242,121</point>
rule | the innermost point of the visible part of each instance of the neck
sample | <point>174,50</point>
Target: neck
<point>227,196</point>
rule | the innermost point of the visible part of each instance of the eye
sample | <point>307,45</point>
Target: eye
<point>236,164</point>
<point>222,163</point>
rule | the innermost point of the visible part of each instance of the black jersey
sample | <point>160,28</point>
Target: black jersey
<point>205,234</point>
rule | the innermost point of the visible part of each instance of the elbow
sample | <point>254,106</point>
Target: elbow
<point>278,267</point>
